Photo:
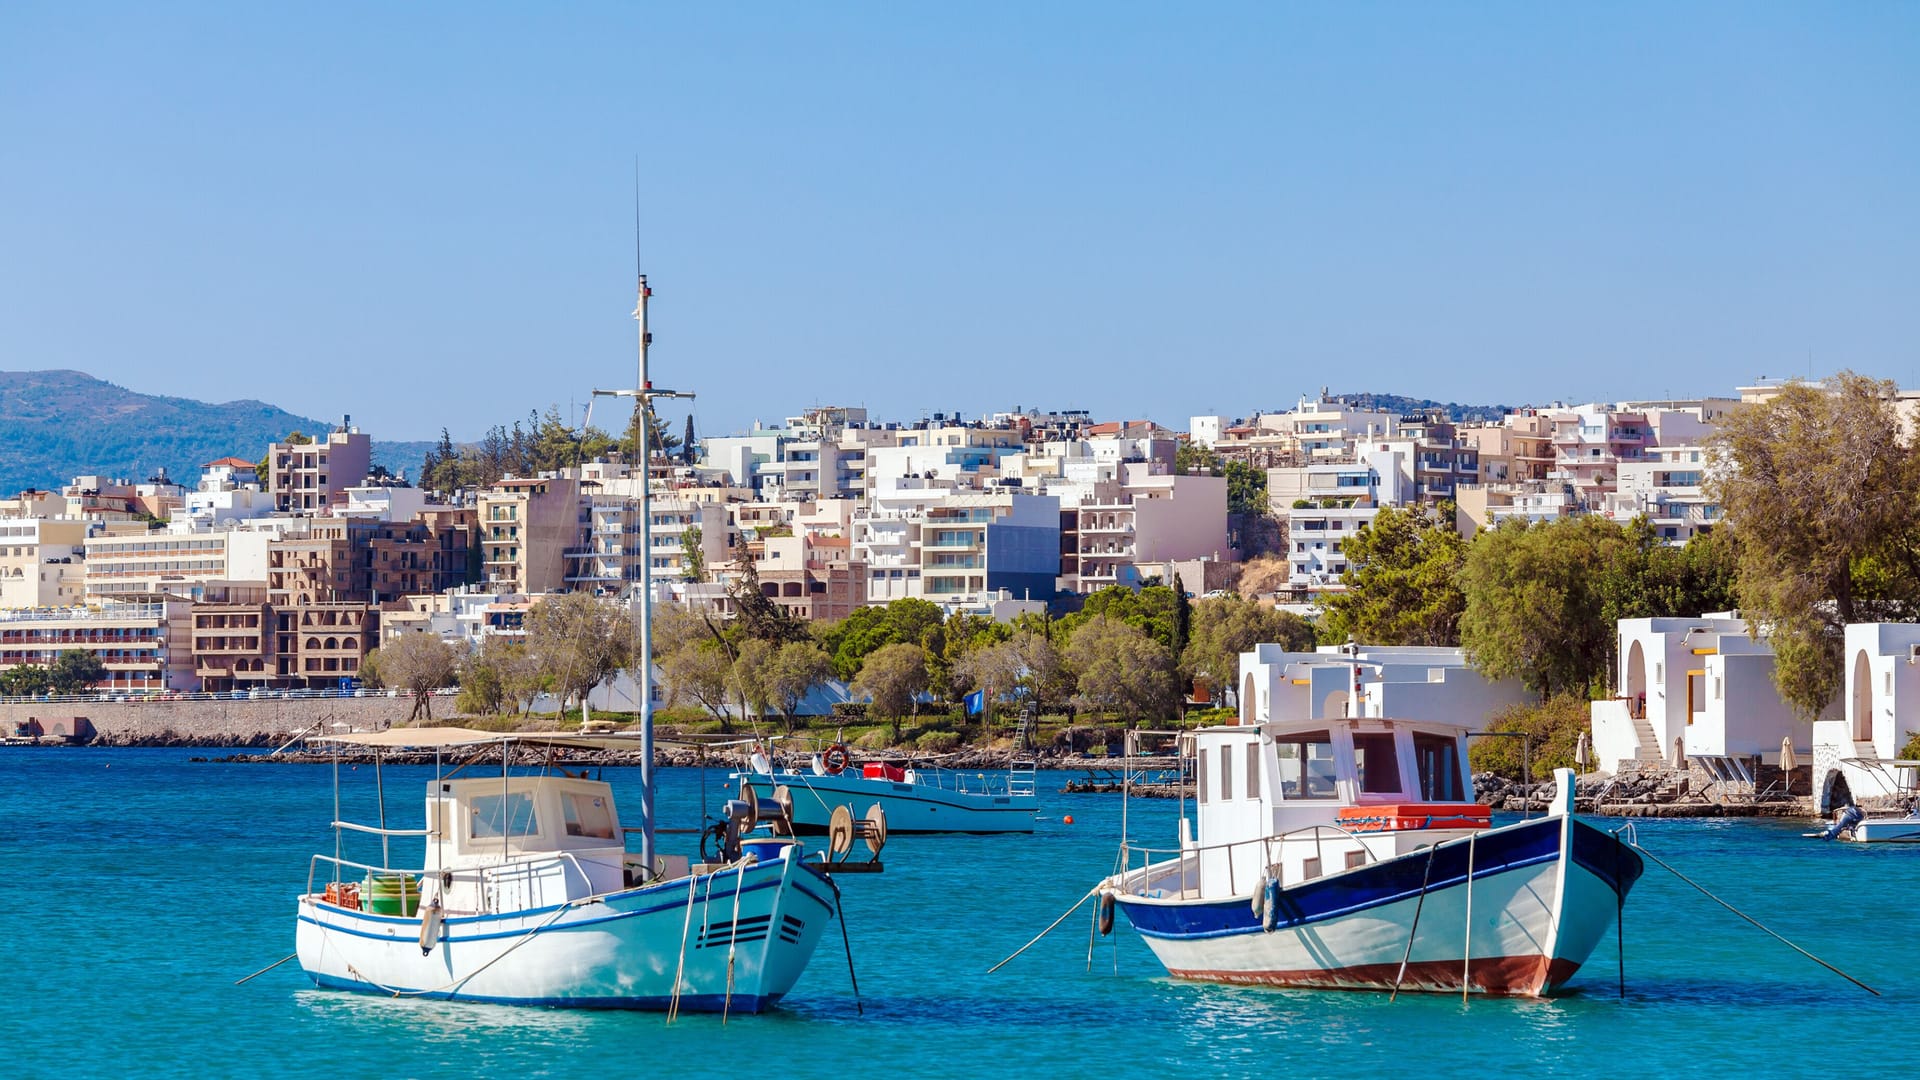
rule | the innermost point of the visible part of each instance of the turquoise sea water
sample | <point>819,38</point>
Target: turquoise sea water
<point>135,887</point>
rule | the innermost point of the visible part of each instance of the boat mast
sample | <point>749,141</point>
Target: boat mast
<point>643,395</point>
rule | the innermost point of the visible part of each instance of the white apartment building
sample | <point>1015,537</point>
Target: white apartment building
<point>1668,487</point>
<point>180,563</point>
<point>1316,537</point>
<point>1125,529</point>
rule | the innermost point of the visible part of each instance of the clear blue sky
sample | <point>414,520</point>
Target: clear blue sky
<point>421,214</point>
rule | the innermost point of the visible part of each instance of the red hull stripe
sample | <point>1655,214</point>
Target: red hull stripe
<point>1508,975</point>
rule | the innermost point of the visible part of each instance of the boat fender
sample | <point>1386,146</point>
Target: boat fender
<point>1259,903</point>
<point>1843,822</point>
<point>430,923</point>
<point>761,763</point>
<point>1106,914</point>
<point>1270,906</point>
<point>836,759</point>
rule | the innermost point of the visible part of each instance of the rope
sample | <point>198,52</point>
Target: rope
<point>1049,929</point>
<point>266,969</point>
<point>1425,878</point>
<point>1466,961</point>
<point>733,935</point>
<point>464,979</point>
<point>840,910</point>
<point>1703,891</point>
<point>686,927</point>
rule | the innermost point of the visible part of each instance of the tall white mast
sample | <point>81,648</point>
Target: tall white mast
<point>643,395</point>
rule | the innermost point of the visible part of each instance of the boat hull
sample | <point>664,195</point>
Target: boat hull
<point>910,808</point>
<point>642,948</point>
<point>1900,830</point>
<point>1543,894</point>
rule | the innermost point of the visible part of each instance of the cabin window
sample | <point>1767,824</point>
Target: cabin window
<point>1201,772</point>
<point>1438,758</point>
<point>588,815</point>
<point>1253,771</point>
<point>1226,772</point>
<point>1376,764</point>
<point>1306,765</point>
<point>509,814</point>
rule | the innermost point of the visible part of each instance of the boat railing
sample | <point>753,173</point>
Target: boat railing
<point>479,875</point>
<point>1184,863</point>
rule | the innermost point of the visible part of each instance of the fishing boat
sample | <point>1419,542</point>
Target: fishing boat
<point>524,891</point>
<point>1898,822</point>
<point>1345,853</point>
<point>812,791</point>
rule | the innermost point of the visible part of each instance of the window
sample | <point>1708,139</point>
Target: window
<point>1438,760</point>
<point>509,814</point>
<point>1306,765</point>
<point>1253,771</point>
<point>1201,772</point>
<point>1376,763</point>
<point>588,815</point>
<point>1226,772</point>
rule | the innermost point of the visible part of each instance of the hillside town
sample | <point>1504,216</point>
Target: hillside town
<point>285,573</point>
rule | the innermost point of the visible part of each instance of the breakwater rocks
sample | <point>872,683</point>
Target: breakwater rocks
<point>1655,793</point>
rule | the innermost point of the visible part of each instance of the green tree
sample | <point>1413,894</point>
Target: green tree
<point>1193,458</point>
<point>1401,581</point>
<point>1535,607</point>
<point>25,680</point>
<point>793,673</point>
<point>701,671</point>
<point>851,640</point>
<point>691,556</point>
<point>1150,609</point>
<point>1246,489</point>
<point>579,640</point>
<point>75,670</point>
<point>1121,669</point>
<point>1227,626</point>
<point>894,676</point>
<point>418,664</point>
<point>1819,485</point>
<point>1182,617</point>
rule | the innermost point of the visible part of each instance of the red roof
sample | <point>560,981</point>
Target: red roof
<point>234,462</point>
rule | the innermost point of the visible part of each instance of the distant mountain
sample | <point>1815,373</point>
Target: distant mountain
<point>1407,406</point>
<point>55,425</point>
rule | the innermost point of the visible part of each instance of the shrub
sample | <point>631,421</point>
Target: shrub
<point>873,740</point>
<point>849,710</point>
<point>937,742</point>
<point>1553,730</point>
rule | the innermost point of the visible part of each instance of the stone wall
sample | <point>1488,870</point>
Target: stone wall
<point>216,723</point>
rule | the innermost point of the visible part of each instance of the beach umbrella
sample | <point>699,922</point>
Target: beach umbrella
<point>1787,762</point>
<point>1679,752</point>
<point>1583,752</point>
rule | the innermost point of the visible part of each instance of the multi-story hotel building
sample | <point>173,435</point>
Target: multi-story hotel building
<point>42,562</point>
<point>144,645</point>
<point>309,477</point>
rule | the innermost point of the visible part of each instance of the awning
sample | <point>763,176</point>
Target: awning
<point>428,738</point>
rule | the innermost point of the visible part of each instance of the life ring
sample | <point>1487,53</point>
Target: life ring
<point>1106,914</point>
<point>836,759</point>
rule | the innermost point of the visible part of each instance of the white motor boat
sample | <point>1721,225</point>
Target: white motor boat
<point>910,799</point>
<point>525,894</point>
<point>1345,853</point>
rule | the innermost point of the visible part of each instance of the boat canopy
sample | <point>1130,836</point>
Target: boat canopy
<point>427,738</point>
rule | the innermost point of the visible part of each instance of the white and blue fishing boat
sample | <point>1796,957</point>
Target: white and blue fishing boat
<point>524,891</point>
<point>1346,853</point>
<point>906,797</point>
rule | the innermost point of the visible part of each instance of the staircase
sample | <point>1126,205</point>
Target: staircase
<point>1646,745</point>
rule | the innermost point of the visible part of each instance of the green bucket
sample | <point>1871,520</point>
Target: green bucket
<point>390,894</point>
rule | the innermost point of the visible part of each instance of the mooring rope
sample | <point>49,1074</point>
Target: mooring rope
<point>1763,929</point>
<point>470,976</point>
<point>840,910</point>
<point>1049,929</point>
<point>1425,879</point>
<point>266,969</point>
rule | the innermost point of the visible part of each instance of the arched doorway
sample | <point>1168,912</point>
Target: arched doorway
<point>1862,697</point>
<point>1834,792</point>
<point>1335,705</point>
<point>1637,681</point>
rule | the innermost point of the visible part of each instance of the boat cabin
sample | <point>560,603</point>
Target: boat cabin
<point>507,843</point>
<point>1300,799</point>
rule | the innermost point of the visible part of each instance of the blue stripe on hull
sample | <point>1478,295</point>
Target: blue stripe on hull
<point>1497,851</point>
<point>740,1003</point>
